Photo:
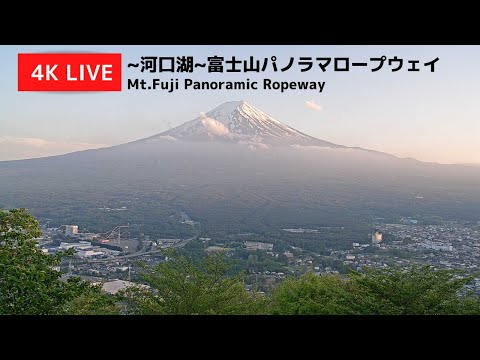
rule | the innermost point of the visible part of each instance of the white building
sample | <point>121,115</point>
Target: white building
<point>71,230</point>
<point>301,231</point>
<point>437,246</point>
<point>257,245</point>
<point>89,253</point>
<point>83,245</point>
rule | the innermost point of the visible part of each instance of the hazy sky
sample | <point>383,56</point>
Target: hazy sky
<point>428,116</point>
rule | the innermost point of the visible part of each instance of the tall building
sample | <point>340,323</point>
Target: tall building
<point>376,237</point>
<point>71,230</point>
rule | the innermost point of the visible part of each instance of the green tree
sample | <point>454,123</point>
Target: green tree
<point>182,286</point>
<point>420,290</point>
<point>313,295</point>
<point>92,302</point>
<point>392,291</point>
<point>28,283</point>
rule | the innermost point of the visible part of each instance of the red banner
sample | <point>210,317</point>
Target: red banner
<point>70,72</point>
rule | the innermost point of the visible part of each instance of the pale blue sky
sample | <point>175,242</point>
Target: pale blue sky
<point>429,116</point>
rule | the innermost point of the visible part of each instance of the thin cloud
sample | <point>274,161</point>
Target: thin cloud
<point>313,105</point>
<point>15,148</point>
<point>322,148</point>
<point>255,145</point>
<point>213,126</point>
<point>163,137</point>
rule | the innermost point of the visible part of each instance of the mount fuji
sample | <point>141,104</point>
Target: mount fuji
<point>241,122</point>
<point>235,169</point>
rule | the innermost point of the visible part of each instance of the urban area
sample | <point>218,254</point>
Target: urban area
<point>111,258</point>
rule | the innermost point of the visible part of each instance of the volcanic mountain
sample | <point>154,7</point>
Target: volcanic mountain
<point>235,169</point>
<point>241,122</point>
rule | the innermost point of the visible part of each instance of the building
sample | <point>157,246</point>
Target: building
<point>432,245</point>
<point>377,237</point>
<point>168,241</point>
<point>71,230</point>
<point>83,245</point>
<point>301,231</point>
<point>89,253</point>
<point>113,287</point>
<point>257,245</point>
<point>409,221</point>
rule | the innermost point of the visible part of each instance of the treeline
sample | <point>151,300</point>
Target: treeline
<point>181,285</point>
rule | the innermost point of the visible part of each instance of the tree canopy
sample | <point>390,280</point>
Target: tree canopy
<point>28,283</point>
<point>181,285</point>
<point>419,290</point>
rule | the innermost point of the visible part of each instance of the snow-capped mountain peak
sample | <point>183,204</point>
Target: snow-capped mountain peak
<point>240,121</point>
